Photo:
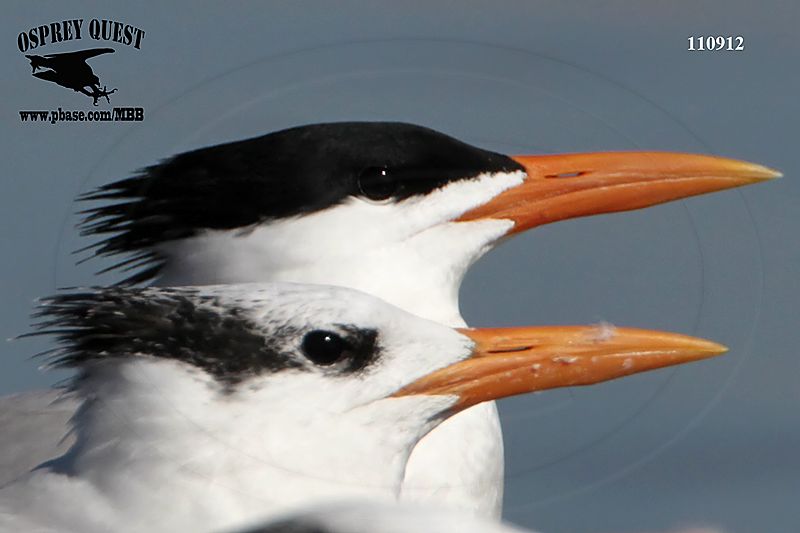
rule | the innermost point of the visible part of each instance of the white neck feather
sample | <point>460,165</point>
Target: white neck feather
<point>228,459</point>
<point>409,254</point>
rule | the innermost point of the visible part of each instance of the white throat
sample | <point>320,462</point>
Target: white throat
<point>409,253</point>
<point>223,461</point>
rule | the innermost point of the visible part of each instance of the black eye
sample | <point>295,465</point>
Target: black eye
<point>324,347</point>
<point>376,183</point>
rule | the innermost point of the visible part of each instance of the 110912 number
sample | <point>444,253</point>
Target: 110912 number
<point>720,42</point>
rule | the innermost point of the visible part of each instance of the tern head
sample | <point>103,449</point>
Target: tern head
<point>396,210</point>
<point>295,393</point>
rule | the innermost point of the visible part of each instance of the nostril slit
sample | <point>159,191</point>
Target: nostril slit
<point>513,349</point>
<point>567,174</point>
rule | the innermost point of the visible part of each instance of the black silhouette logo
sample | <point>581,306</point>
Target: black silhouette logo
<point>70,70</point>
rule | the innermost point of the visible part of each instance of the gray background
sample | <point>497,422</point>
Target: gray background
<point>713,443</point>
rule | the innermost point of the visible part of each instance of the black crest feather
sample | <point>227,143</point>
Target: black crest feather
<point>179,324</point>
<point>281,174</point>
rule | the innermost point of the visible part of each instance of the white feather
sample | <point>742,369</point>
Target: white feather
<point>163,446</point>
<point>410,254</point>
<point>381,517</point>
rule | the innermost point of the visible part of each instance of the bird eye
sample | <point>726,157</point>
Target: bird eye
<point>376,183</point>
<point>324,347</point>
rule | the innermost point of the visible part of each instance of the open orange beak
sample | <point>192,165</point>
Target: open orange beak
<point>565,186</point>
<point>510,361</point>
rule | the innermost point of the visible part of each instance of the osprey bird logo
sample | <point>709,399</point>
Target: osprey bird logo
<point>70,70</point>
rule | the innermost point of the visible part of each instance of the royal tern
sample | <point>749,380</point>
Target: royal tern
<point>396,210</point>
<point>205,408</point>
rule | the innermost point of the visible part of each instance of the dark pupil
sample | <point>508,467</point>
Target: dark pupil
<point>376,183</point>
<point>324,347</point>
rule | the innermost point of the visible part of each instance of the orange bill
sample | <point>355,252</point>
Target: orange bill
<point>510,361</point>
<point>560,187</point>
